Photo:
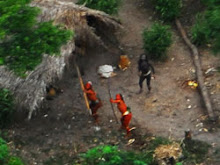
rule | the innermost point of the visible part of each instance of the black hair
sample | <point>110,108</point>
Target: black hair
<point>145,58</point>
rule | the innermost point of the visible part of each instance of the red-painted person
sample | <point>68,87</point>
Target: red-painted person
<point>95,102</point>
<point>125,111</point>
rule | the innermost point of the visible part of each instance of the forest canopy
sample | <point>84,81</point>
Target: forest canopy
<point>24,40</point>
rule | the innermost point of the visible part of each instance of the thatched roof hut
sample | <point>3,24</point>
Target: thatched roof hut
<point>88,26</point>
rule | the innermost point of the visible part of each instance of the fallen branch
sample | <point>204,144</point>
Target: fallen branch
<point>199,73</point>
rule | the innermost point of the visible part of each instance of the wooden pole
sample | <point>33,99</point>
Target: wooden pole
<point>109,92</point>
<point>82,86</point>
<point>199,73</point>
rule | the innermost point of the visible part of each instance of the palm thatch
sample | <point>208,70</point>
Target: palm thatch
<point>85,22</point>
<point>30,92</point>
<point>164,154</point>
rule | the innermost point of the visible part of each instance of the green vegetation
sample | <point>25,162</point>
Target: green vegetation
<point>6,107</point>
<point>23,40</point>
<point>207,27</point>
<point>15,161</point>
<point>168,9</point>
<point>108,6</point>
<point>5,157</point>
<point>3,151</point>
<point>195,151</point>
<point>157,40</point>
<point>111,155</point>
<point>211,2</point>
<point>154,143</point>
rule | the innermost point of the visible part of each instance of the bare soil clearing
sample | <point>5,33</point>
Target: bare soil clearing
<point>63,128</point>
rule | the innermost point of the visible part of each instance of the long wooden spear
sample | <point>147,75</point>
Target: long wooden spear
<point>109,92</point>
<point>82,86</point>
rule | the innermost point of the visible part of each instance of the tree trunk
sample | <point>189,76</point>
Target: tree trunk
<point>199,73</point>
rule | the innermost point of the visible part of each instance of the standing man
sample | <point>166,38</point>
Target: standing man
<point>144,69</point>
<point>95,102</point>
<point>125,111</point>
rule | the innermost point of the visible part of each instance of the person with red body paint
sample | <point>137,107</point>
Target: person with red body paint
<point>125,111</point>
<point>95,102</point>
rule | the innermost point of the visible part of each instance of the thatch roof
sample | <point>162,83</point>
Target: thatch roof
<point>78,18</point>
<point>30,92</point>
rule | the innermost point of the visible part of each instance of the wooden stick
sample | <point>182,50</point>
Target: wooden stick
<point>82,86</point>
<point>109,92</point>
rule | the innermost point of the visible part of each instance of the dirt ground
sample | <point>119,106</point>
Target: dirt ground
<point>64,127</point>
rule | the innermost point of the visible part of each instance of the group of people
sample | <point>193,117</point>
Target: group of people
<point>145,70</point>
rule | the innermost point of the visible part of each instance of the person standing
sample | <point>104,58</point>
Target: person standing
<point>145,70</point>
<point>95,102</point>
<point>125,111</point>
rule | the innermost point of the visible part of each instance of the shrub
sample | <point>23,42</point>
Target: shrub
<point>195,151</point>
<point>179,163</point>
<point>5,158</point>
<point>3,151</point>
<point>15,161</point>
<point>168,9</point>
<point>199,31</point>
<point>157,40</point>
<point>207,28</point>
<point>110,155</point>
<point>6,107</point>
<point>23,39</point>
<point>102,154</point>
<point>211,2</point>
<point>108,6</point>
